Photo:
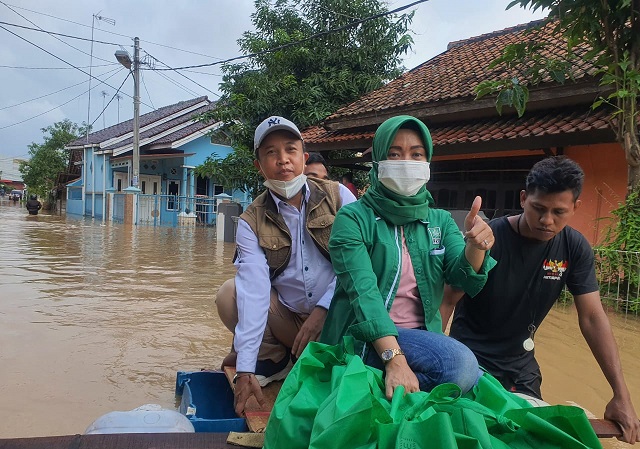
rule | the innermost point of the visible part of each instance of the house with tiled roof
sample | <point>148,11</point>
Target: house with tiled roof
<point>478,151</point>
<point>172,143</point>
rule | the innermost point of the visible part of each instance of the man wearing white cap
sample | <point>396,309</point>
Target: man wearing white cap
<point>279,298</point>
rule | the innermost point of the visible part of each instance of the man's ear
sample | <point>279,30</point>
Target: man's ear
<point>256,164</point>
<point>523,197</point>
<point>577,204</point>
<point>306,157</point>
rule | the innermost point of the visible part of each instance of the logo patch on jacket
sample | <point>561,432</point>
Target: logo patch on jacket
<point>436,235</point>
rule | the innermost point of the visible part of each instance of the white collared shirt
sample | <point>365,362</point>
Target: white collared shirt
<point>307,281</point>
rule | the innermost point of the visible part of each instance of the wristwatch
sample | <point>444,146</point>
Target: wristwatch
<point>388,354</point>
<point>238,375</point>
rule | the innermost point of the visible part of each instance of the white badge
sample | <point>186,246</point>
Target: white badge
<point>528,344</point>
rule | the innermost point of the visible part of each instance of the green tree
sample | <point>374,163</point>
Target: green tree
<point>300,68</point>
<point>50,158</point>
<point>610,30</point>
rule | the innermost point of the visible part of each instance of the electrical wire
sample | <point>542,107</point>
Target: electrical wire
<point>55,37</point>
<point>60,59</point>
<point>202,73</point>
<point>114,96</point>
<point>53,33</point>
<point>183,75</point>
<point>114,33</point>
<point>66,20</point>
<point>53,93</point>
<point>313,36</point>
<point>146,90</point>
<point>60,105</point>
<point>55,68</point>
<point>176,83</point>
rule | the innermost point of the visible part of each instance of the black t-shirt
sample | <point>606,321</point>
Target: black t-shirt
<point>522,288</point>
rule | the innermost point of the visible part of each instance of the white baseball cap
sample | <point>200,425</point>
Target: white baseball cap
<point>273,123</point>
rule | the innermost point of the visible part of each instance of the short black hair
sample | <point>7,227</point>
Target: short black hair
<point>316,158</point>
<point>348,176</point>
<point>555,174</point>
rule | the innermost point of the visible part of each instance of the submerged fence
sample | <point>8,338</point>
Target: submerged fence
<point>168,210</point>
<point>618,273</point>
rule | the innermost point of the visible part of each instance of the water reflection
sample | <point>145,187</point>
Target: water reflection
<point>96,318</point>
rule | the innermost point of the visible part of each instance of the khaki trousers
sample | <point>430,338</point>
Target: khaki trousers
<point>282,324</point>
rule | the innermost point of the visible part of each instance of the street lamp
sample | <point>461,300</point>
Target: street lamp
<point>123,58</point>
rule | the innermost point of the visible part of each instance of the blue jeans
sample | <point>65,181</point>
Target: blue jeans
<point>435,359</point>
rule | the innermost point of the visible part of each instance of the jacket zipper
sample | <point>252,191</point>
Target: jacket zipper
<point>395,280</point>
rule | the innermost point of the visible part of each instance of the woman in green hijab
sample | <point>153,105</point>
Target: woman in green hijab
<point>393,253</point>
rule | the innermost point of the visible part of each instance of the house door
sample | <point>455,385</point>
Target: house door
<point>120,181</point>
<point>148,202</point>
<point>173,189</point>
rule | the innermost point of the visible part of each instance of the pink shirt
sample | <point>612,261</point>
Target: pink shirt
<point>406,310</point>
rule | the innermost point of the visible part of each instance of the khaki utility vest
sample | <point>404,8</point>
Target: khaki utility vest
<point>272,232</point>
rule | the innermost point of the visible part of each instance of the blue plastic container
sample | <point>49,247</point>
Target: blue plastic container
<point>207,401</point>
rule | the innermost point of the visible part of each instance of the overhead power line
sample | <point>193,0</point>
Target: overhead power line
<point>112,32</point>
<point>147,91</point>
<point>50,34</point>
<point>53,33</point>
<point>53,93</point>
<point>54,68</point>
<point>60,105</point>
<point>180,85</point>
<point>291,44</point>
<point>112,98</point>
<point>66,62</point>
<point>183,75</point>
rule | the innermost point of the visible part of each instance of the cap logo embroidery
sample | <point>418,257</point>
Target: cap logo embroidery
<point>273,121</point>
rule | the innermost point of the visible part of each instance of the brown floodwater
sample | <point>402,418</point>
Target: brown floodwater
<point>96,318</point>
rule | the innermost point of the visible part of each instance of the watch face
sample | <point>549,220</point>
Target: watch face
<point>386,355</point>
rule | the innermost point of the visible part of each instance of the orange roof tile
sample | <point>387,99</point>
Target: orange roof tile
<point>456,72</point>
<point>537,124</point>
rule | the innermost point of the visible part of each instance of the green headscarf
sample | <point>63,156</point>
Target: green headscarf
<point>394,208</point>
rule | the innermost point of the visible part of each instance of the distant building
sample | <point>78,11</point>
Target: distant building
<point>10,174</point>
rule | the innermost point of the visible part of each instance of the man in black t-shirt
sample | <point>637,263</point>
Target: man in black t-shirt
<point>537,255</point>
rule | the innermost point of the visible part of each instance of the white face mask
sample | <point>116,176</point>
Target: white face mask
<point>403,177</point>
<point>286,189</point>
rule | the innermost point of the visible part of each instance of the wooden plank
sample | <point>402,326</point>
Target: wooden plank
<point>257,417</point>
<point>123,441</point>
<point>602,427</point>
<point>605,428</point>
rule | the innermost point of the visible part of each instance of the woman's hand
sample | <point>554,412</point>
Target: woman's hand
<point>478,235</point>
<point>476,231</point>
<point>397,372</point>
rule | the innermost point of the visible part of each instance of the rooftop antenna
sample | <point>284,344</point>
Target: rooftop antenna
<point>118,97</point>
<point>104,95</point>
<point>99,18</point>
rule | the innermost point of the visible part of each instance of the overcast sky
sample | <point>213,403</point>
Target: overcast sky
<point>39,89</point>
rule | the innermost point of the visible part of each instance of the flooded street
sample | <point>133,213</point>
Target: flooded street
<point>99,318</point>
<point>96,318</point>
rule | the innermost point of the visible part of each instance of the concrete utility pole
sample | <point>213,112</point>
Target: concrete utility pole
<point>123,58</point>
<point>136,111</point>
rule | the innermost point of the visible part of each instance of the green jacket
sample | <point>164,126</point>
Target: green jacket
<point>366,253</point>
